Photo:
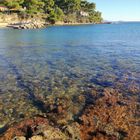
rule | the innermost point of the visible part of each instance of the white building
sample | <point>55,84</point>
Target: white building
<point>3,8</point>
<point>84,14</point>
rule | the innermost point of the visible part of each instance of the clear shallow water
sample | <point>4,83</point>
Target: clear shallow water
<point>65,61</point>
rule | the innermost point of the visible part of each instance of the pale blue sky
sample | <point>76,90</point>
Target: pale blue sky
<point>126,10</point>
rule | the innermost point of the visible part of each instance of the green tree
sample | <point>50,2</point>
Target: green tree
<point>57,10</point>
<point>56,15</point>
<point>48,6</point>
<point>72,5</point>
<point>33,6</point>
<point>87,7</point>
<point>95,17</point>
<point>16,4</point>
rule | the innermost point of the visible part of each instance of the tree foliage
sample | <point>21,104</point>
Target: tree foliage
<point>17,4</point>
<point>57,10</point>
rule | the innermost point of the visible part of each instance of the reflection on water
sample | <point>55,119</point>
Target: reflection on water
<point>38,67</point>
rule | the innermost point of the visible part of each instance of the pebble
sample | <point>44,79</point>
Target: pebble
<point>36,138</point>
<point>2,125</point>
<point>19,138</point>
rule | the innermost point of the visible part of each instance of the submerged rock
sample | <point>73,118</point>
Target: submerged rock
<point>3,127</point>
<point>72,131</point>
<point>36,138</point>
<point>106,119</point>
<point>19,138</point>
<point>53,133</point>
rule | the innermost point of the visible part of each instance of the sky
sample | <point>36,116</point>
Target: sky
<point>119,10</point>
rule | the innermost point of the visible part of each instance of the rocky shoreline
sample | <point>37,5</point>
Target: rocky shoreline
<point>108,116</point>
<point>35,25</point>
<point>32,25</point>
<point>15,22</point>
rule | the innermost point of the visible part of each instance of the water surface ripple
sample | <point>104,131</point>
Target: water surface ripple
<point>37,66</point>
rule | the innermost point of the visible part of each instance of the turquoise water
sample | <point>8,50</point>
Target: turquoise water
<point>36,66</point>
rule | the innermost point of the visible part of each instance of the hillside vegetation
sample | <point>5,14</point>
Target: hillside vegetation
<point>67,11</point>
